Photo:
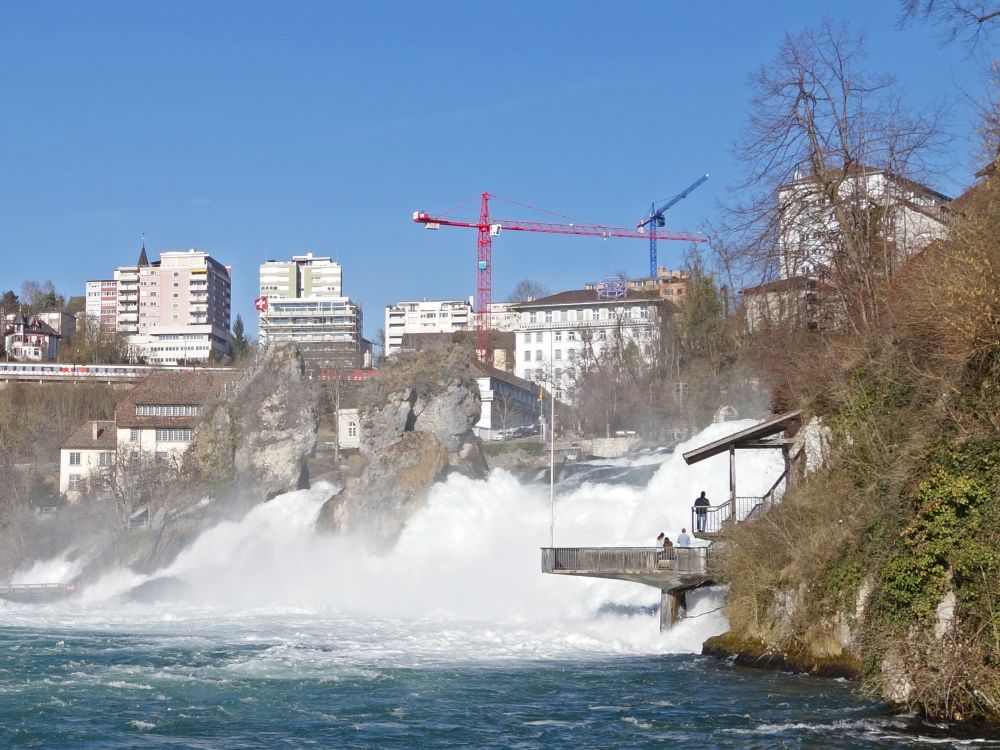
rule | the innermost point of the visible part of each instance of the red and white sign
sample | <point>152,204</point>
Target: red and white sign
<point>261,304</point>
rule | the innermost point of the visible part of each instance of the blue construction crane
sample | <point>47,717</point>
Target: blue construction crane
<point>656,219</point>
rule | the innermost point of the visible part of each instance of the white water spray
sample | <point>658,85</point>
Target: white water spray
<point>468,562</point>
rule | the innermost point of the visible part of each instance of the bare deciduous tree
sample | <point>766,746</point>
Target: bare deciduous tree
<point>821,136</point>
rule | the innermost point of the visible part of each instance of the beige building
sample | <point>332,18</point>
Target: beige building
<point>175,310</point>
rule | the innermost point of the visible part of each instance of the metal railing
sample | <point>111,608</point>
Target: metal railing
<point>717,517</point>
<point>736,510</point>
<point>625,560</point>
<point>36,590</point>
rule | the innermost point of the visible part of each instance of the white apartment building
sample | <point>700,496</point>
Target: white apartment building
<point>425,316</point>
<point>176,309</point>
<point>810,247</point>
<point>302,301</point>
<point>562,334</point>
<point>912,217</point>
<point>102,303</point>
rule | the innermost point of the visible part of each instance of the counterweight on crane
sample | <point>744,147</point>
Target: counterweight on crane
<point>489,227</point>
<point>656,219</point>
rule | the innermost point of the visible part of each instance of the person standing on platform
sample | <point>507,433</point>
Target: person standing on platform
<point>683,540</point>
<point>701,505</point>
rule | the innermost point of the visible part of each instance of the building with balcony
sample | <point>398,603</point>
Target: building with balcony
<point>174,310</point>
<point>302,302</point>
<point>101,304</point>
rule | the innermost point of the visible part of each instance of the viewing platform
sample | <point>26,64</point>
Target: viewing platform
<point>36,592</point>
<point>684,569</point>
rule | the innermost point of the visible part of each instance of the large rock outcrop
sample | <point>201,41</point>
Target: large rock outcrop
<point>416,427</point>
<point>258,438</point>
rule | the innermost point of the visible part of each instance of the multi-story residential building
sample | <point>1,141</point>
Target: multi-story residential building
<point>29,338</point>
<point>301,301</point>
<point>303,276</point>
<point>425,316</point>
<point>563,333</point>
<point>173,310</point>
<point>102,304</point>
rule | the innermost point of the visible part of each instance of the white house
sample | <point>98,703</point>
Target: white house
<point>86,455</point>
<point>348,428</point>
<point>29,338</point>
<point>154,421</point>
<point>160,414</point>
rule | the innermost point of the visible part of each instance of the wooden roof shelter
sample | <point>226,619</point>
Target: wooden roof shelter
<point>776,432</point>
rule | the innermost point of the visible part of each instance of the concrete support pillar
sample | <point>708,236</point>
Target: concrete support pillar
<point>672,604</point>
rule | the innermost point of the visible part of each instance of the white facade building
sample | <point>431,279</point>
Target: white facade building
<point>86,456</point>
<point>562,334</point>
<point>425,316</point>
<point>811,253</point>
<point>911,216</point>
<point>302,301</point>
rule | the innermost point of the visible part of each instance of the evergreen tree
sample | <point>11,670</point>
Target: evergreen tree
<point>240,344</point>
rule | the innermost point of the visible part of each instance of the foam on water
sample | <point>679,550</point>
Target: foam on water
<point>463,579</point>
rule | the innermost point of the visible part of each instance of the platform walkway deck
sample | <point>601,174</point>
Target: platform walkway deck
<point>685,569</point>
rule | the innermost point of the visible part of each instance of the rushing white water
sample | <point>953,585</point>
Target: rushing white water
<point>464,577</point>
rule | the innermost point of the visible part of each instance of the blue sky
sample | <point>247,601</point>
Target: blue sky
<point>260,131</point>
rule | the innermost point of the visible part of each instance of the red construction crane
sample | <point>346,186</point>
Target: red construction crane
<point>489,228</point>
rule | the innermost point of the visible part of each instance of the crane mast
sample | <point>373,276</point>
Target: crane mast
<point>656,219</point>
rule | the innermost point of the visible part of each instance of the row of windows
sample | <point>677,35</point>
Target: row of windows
<point>587,313</point>
<point>104,458</point>
<point>557,354</point>
<point>539,375</point>
<point>173,435</point>
<point>167,410</point>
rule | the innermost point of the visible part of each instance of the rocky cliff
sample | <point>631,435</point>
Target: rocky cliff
<point>416,427</point>
<point>257,438</point>
<point>253,444</point>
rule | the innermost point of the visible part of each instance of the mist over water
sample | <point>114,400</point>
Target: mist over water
<point>471,554</point>
<point>278,636</point>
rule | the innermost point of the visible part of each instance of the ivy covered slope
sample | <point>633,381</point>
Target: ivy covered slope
<point>887,561</point>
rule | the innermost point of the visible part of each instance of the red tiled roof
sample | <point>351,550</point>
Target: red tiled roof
<point>181,388</point>
<point>83,436</point>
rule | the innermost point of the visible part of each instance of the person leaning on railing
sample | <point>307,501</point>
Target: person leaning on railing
<point>701,505</point>
<point>668,547</point>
